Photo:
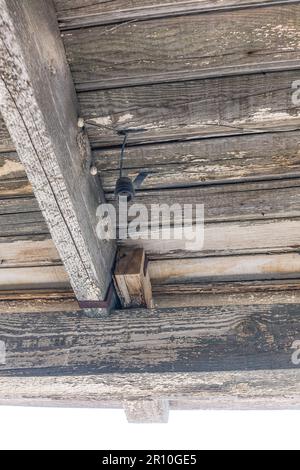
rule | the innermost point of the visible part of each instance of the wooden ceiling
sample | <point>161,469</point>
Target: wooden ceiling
<point>210,82</point>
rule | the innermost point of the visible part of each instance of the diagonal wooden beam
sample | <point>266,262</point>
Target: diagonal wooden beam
<point>38,104</point>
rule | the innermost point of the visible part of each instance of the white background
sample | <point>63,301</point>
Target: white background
<point>56,428</point>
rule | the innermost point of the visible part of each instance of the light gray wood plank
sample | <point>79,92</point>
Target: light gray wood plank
<point>197,108</point>
<point>194,162</point>
<point>28,253</point>
<point>260,389</point>
<point>88,13</point>
<point>38,104</point>
<point>275,266</point>
<point>34,277</point>
<point>213,44</point>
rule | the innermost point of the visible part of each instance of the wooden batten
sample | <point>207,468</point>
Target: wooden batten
<point>132,279</point>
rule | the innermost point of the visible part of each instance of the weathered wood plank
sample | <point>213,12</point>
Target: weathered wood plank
<point>15,187</point>
<point>219,239</point>
<point>38,300</point>
<point>24,223</point>
<point>195,108</point>
<point>226,293</point>
<point>240,201</point>
<point>209,45</point>
<point>168,340</point>
<point>38,104</point>
<point>83,13</point>
<point>229,239</point>
<point>28,253</point>
<point>33,277</point>
<point>281,266</point>
<point>146,411</point>
<point>10,166</point>
<point>266,389</point>
<point>15,205</point>
<point>197,161</point>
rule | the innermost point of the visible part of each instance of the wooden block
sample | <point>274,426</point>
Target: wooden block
<point>147,411</point>
<point>132,279</point>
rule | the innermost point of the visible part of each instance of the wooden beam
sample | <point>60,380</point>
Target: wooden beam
<point>225,357</point>
<point>38,104</point>
<point>185,47</point>
<point>203,339</point>
<point>132,279</point>
<point>147,411</point>
<point>260,389</point>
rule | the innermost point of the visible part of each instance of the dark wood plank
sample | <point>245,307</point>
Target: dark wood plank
<point>185,163</point>
<point>78,14</point>
<point>200,108</point>
<point>39,106</point>
<point>214,44</point>
<point>168,340</point>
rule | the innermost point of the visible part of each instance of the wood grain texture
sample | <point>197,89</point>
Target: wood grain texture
<point>10,166</point>
<point>27,223</point>
<point>266,389</point>
<point>226,293</point>
<point>34,277</point>
<point>28,253</point>
<point>191,109</point>
<point>226,267</point>
<point>39,106</point>
<point>15,187</point>
<point>271,236</point>
<point>197,161</point>
<point>132,279</point>
<point>240,201</point>
<point>38,300</point>
<point>16,205</point>
<point>88,13</point>
<point>199,45</point>
<point>169,340</point>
